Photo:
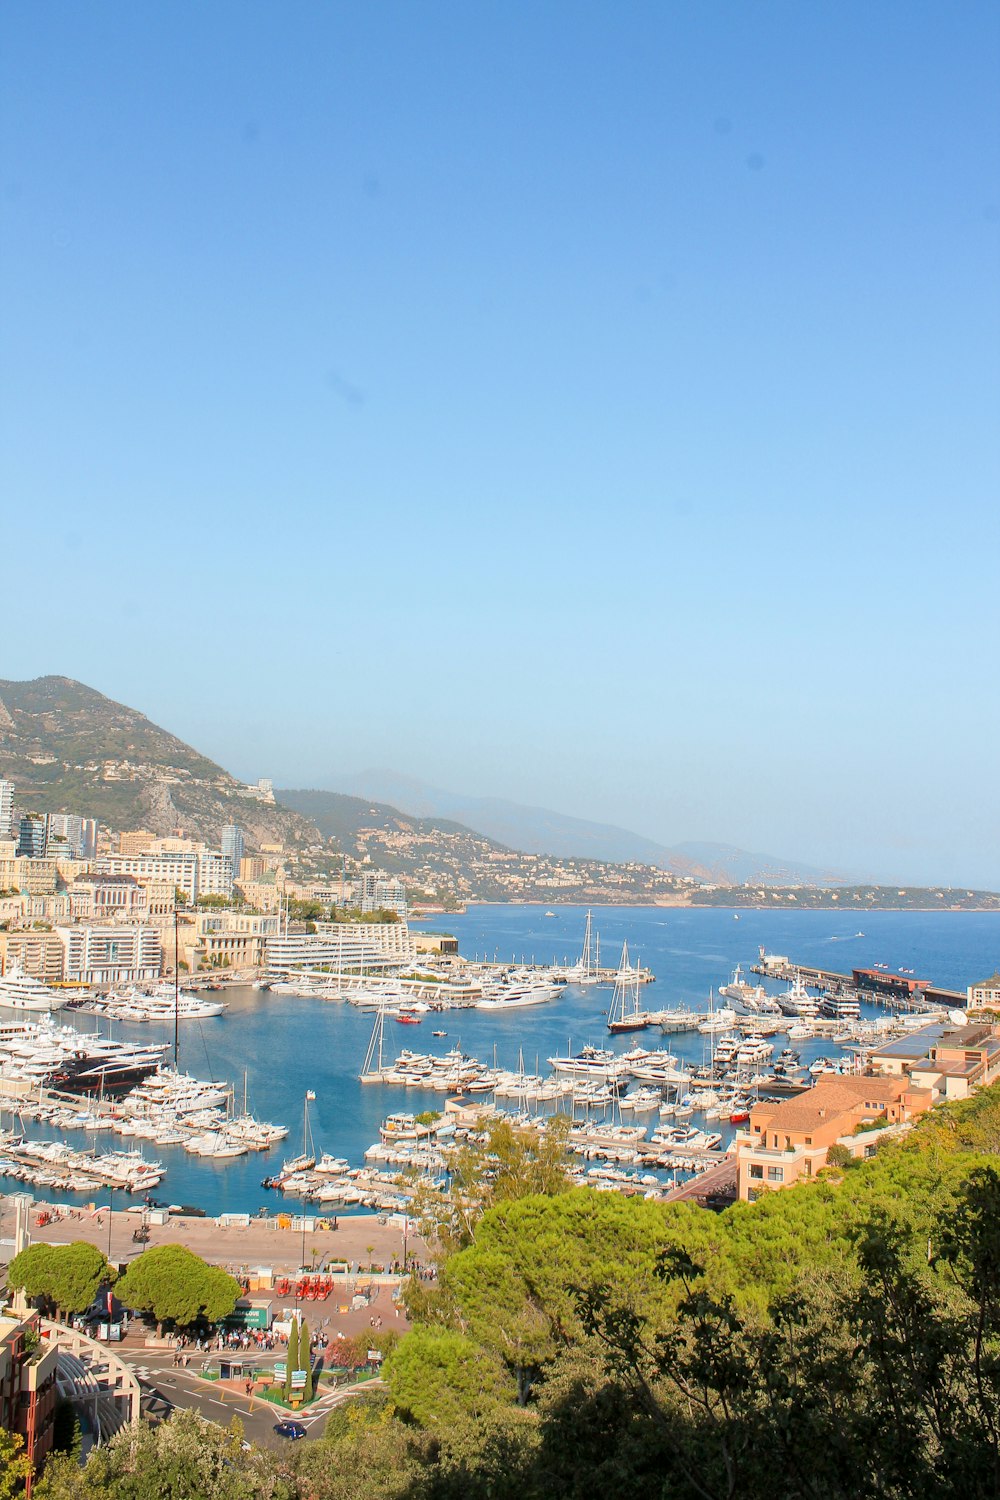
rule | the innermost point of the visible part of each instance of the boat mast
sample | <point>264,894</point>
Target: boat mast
<point>585,955</point>
<point>375,1043</point>
<point>177,989</point>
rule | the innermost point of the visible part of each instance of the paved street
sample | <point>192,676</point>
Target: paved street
<point>166,1386</point>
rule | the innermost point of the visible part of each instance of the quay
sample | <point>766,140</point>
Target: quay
<point>878,986</point>
<point>288,1243</point>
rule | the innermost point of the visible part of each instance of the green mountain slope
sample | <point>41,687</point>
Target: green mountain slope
<point>68,748</point>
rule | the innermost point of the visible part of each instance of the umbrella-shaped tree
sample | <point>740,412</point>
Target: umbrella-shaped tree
<point>177,1286</point>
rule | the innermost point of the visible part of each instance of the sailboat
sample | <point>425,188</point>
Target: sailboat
<point>307,1160</point>
<point>625,1014</point>
<point>372,1067</point>
<point>588,968</point>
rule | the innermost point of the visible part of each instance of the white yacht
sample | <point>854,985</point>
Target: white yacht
<point>679,1018</point>
<point>19,991</point>
<point>748,998</point>
<point>796,1000</point>
<point>158,1005</point>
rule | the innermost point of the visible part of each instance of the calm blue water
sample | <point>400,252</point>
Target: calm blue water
<point>288,1045</point>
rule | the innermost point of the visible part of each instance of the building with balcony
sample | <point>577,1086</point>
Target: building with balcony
<point>39,953</point>
<point>110,954</point>
<point>378,891</point>
<point>789,1141</point>
<point>6,808</point>
<point>208,873</point>
<point>107,898</point>
<point>31,836</point>
<point>392,939</point>
<point>36,877</point>
<point>70,835</point>
<point>231,939</point>
<point>231,842</point>
<point>29,1367</point>
<point>341,949</point>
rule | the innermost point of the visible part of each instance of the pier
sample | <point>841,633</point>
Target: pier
<point>877,985</point>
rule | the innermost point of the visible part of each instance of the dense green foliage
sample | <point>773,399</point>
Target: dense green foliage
<point>65,1277</point>
<point>183,1459</point>
<point>177,1286</point>
<point>839,1340</point>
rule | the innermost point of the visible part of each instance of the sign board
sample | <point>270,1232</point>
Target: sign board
<point>374,1356</point>
<point>279,1370</point>
<point>298,1380</point>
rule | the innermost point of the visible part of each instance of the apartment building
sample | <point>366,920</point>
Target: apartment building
<point>789,1141</point>
<point>71,836</point>
<point>392,939</point>
<point>351,948</point>
<point>110,954</point>
<point>231,842</point>
<point>35,876</point>
<point>39,954</point>
<point>265,894</point>
<point>378,891</point>
<point>137,841</point>
<point>31,836</point>
<point>950,1059</point>
<point>986,993</point>
<point>6,809</point>
<point>205,873</point>
<point>28,1395</point>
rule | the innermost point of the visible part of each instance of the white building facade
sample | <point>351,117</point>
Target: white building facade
<point>194,874</point>
<point>381,892</point>
<point>110,954</point>
<point>341,949</point>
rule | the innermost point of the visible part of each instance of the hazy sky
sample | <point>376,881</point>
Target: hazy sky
<point>589,404</point>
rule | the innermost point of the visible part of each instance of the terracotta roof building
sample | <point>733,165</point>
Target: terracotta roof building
<point>790,1140</point>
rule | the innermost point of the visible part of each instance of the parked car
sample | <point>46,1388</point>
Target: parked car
<point>290,1429</point>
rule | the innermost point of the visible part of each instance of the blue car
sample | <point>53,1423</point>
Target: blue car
<point>290,1429</point>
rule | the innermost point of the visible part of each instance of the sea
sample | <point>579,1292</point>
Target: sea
<point>279,1048</point>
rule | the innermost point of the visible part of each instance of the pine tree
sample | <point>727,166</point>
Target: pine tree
<point>305,1362</point>
<point>292,1357</point>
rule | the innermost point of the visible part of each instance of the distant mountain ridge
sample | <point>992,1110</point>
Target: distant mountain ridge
<point>539,830</point>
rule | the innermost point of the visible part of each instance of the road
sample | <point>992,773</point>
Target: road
<point>166,1386</point>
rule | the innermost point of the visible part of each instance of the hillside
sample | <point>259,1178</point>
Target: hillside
<point>68,748</point>
<point>450,862</point>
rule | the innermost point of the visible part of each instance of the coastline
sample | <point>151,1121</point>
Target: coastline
<point>668,904</point>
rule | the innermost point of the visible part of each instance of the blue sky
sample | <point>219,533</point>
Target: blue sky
<point>593,405</point>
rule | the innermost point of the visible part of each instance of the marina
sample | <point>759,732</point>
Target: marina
<point>499,1060</point>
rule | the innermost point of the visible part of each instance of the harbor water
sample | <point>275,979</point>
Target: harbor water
<point>286,1045</point>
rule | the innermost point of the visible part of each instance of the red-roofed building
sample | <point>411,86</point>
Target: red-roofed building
<point>788,1141</point>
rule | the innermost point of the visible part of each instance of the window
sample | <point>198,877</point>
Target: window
<point>775,1174</point>
<point>756,1170</point>
<point>809,1140</point>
